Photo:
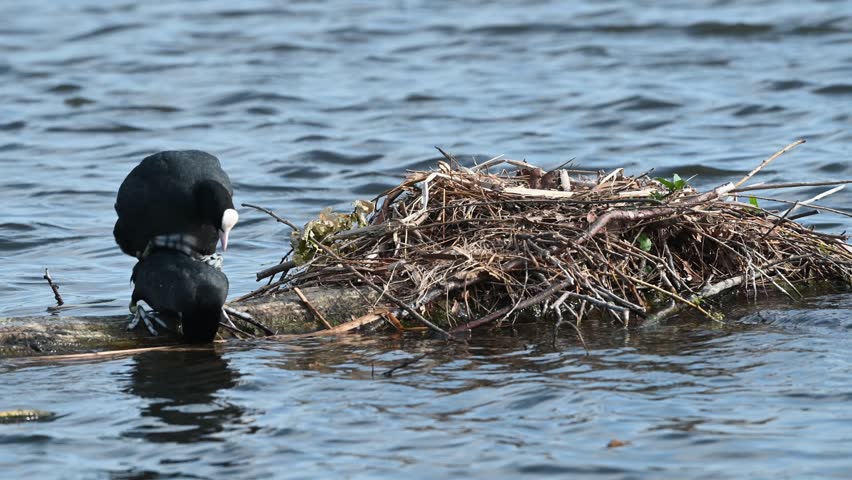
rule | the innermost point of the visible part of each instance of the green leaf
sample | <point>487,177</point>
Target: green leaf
<point>644,242</point>
<point>753,202</point>
<point>666,183</point>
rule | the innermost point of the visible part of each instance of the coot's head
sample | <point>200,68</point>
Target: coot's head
<point>201,321</point>
<point>216,207</point>
<point>201,325</point>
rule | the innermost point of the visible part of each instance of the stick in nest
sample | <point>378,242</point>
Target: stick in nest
<point>311,308</point>
<point>769,160</point>
<point>493,316</point>
<point>382,291</point>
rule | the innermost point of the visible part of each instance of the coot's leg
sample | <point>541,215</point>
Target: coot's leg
<point>245,317</point>
<point>228,320</point>
<point>149,318</point>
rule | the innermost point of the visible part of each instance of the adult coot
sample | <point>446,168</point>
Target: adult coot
<point>175,284</point>
<point>175,199</point>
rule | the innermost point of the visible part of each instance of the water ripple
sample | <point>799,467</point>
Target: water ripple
<point>337,158</point>
<point>109,128</point>
<point>314,104</point>
<point>103,31</point>
<point>738,29</point>
<point>253,96</point>
<point>835,89</point>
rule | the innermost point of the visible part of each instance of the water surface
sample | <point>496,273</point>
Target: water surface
<point>315,104</point>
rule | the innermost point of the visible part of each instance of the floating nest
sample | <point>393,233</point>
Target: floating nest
<point>459,248</point>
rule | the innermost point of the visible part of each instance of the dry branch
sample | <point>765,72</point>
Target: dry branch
<point>311,307</point>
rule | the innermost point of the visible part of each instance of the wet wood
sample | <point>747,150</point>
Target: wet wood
<point>283,313</point>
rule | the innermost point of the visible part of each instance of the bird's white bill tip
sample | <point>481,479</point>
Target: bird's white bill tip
<point>229,219</point>
<point>223,239</point>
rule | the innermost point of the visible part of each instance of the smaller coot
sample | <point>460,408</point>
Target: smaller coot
<point>173,283</point>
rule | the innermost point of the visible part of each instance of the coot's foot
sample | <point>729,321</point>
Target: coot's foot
<point>149,318</point>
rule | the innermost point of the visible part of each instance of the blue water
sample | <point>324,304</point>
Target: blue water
<point>315,104</point>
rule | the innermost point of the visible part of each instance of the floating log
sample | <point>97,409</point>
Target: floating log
<point>284,314</point>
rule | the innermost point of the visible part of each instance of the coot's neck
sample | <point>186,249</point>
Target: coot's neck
<point>185,243</point>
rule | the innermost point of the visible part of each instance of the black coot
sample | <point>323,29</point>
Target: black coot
<point>175,196</point>
<point>174,283</point>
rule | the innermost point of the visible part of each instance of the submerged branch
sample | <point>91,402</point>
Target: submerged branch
<point>54,287</point>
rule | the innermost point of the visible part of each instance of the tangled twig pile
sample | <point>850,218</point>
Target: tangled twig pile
<point>465,247</point>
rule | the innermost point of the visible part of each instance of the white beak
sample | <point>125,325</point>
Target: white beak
<point>229,219</point>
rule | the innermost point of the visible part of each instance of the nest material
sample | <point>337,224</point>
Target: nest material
<point>466,247</point>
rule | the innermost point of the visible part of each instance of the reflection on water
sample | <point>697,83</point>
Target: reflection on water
<point>689,399</point>
<point>181,389</point>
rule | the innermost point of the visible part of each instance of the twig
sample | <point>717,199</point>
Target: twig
<point>53,287</point>
<point>769,160</point>
<point>774,186</point>
<point>547,293</point>
<point>248,319</point>
<point>311,307</point>
<point>814,198</point>
<point>117,353</point>
<point>791,202</point>
<point>556,307</point>
<point>649,213</point>
<point>273,215</point>
<point>488,163</point>
<point>260,290</point>
<point>382,291</point>
<point>410,361</point>
<point>391,318</point>
<point>360,322</point>
<point>236,330</point>
<point>803,215</point>
<point>281,267</point>
<point>447,155</point>
<point>675,296</point>
<point>779,221</point>
<point>706,292</point>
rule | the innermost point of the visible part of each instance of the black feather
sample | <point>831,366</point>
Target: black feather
<point>172,192</point>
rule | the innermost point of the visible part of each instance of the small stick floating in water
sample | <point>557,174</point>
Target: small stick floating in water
<point>53,287</point>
